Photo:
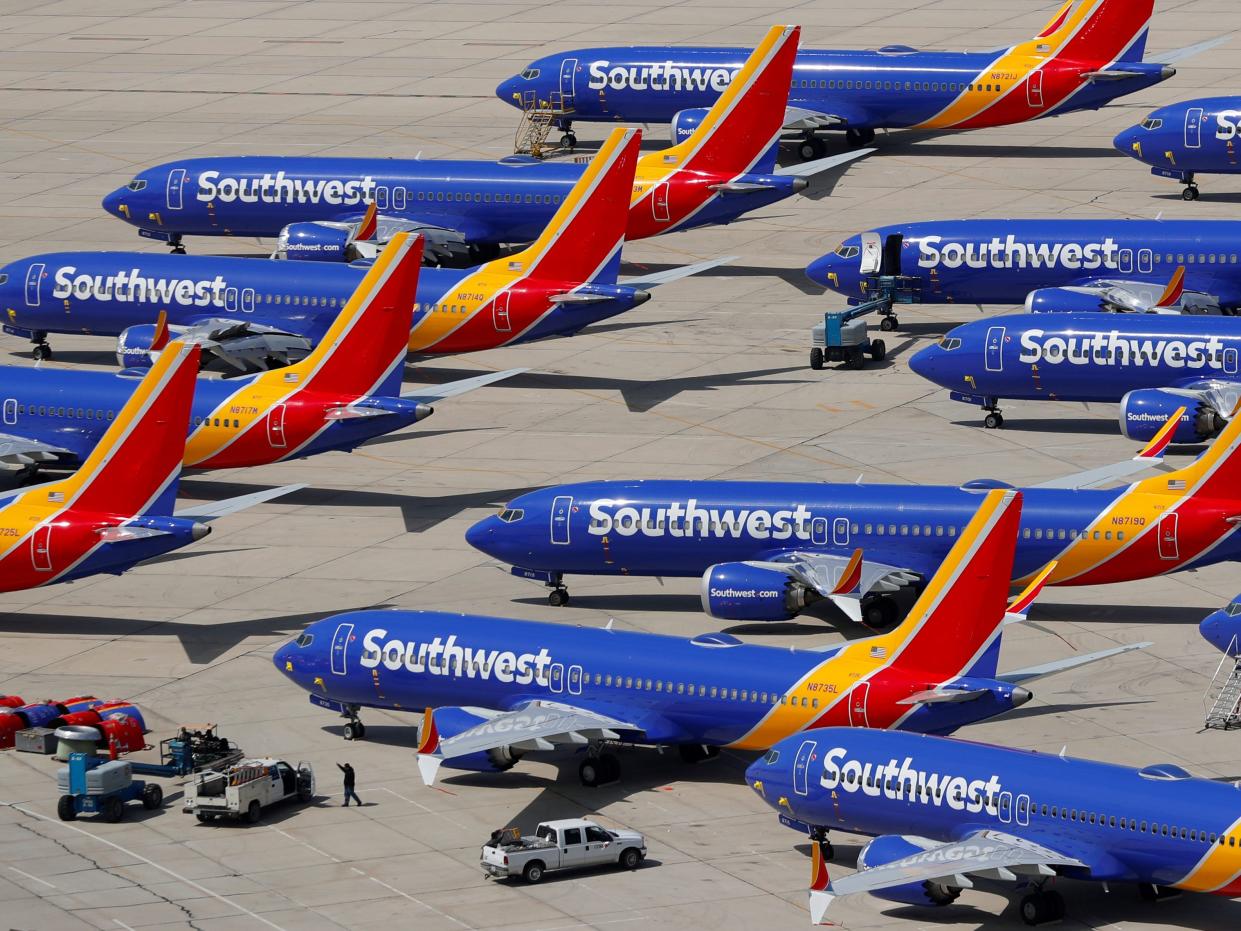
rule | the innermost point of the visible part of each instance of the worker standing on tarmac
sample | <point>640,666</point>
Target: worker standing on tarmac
<point>349,780</point>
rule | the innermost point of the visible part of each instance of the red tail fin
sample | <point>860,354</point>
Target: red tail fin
<point>583,240</point>
<point>964,603</point>
<point>139,458</point>
<point>363,352</point>
<point>745,122</point>
<point>1097,31</point>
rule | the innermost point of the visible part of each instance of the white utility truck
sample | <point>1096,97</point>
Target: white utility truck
<point>246,788</point>
<point>570,844</point>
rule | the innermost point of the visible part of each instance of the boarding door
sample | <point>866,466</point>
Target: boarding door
<point>275,428</point>
<point>499,313</point>
<point>10,411</point>
<point>575,680</point>
<point>1193,128</point>
<point>801,766</point>
<point>659,203</point>
<point>41,548</point>
<point>1006,807</point>
<point>176,184</point>
<point>568,68</point>
<point>857,704</point>
<point>818,531</point>
<point>994,351</point>
<point>556,679</point>
<point>872,254</point>
<point>1167,536</point>
<point>34,275</point>
<point>1034,90</point>
<point>840,531</point>
<point>340,643</point>
<point>562,507</point>
<point>1230,361</point>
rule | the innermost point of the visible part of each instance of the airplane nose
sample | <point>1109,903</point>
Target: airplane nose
<point>282,659</point>
<point>116,205</point>
<point>823,271</point>
<point>482,535</point>
<point>1128,143</point>
<point>509,90</point>
<point>924,363</point>
<point>753,778</point>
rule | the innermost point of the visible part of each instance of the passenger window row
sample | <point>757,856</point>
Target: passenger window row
<point>839,84</point>
<point>43,410</point>
<point>484,198</point>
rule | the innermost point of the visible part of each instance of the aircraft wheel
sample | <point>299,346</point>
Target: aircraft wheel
<point>879,613</point>
<point>41,352</point>
<point>810,148</point>
<point>568,141</point>
<point>993,421</point>
<point>859,137</point>
<point>1190,193</point>
<point>888,323</point>
<point>878,350</point>
<point>609,769</point>
<point>558,597</point>
<point>1040,908</point>
<point>590,772</point>
<point>354,730</point>
<point>816,359</point>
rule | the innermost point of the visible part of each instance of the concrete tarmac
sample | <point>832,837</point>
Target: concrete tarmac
<point>707,380</point>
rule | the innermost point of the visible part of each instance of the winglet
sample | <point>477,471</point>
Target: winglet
<point>1153,451</point>
<point>1020,606</point>
<point>1176,286</point>
<point>368,226</point>
<point>851,575</point>
<point>429,733</point>
<point>821,895</point>
<point>162,334</point>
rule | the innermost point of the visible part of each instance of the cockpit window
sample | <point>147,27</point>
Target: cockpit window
<point>848,252</point>
<point>137,184</point>
<point>771,756</point>
<point>1149,123</point>
<point>4,279</point>
<point>1234,609</point>
<point>530,74</point>
<point>949,343</point>
<point>512,515</point>
<point>305,640</point>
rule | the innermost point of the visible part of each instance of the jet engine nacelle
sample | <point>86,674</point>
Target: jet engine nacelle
<point>315,242</point>
<point>450,721</point>
<point>685,122</point>
<point>133,346</point>
<point>1063,301</point>
<point>888,848</point>
<point>1144,412</point>
<point>740,591</point>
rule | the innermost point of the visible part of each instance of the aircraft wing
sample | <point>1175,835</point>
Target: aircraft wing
<point>842,579</point>
<point>803,118</point>
<point>439,242</point>
<point>17,452</point>
<point>1125,296</point>
<point>537,725</point>
<point>675,274</point>
<point>992,853</point>
<point>215,509</point>
<point>429,394</point>
<point>1031,673</point>
<point>248,344</point>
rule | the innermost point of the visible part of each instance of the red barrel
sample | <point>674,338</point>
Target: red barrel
<point>10,724</point>
<point>89,717</point>
<point>37,715</point>
<point>124,731</point>
<point>11,701</point>
<point>111,709</point>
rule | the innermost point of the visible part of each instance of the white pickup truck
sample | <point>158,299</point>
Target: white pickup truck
<point>570,844</point>
<point>246,788</point>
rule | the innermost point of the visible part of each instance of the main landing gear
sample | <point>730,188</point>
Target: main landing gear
<point>880,612</point>
<point>811,147</point>
<point>599,769</point>
<point>819,836</point>
<point>859,137</point>
<point>354,728</point>
<point>1042,907</point>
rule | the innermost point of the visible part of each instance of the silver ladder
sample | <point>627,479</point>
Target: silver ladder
<point>1225,710</point>
<point>538,118</point>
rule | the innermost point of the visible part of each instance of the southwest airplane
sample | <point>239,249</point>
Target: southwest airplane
<point>766,550</point>
<point>1186,139</point>
<point>941,809</point>
<point>1153,365</point>
<point>1128,266</point>
<point>117,509</point>
<point>254,312</point>
<point>1222,628</point>
<point>494,689</point>
<point>1084,58</point>
<point>724,168</point>
<point>345,392</point>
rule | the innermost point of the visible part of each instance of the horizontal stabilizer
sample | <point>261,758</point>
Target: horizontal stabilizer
<point>429,395</point>
<point>676,274</point>
<point>1030,673</point>
<point>215,509</point>
<point>819,165</point>
<point>942,696</point>
<point>1099,77</point>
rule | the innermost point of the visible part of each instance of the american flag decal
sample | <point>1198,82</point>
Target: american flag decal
<point>1176,484</point>
<point>56,496</point>
<point>514,266</point>
<point>878,652</point>
<point>290,376</point>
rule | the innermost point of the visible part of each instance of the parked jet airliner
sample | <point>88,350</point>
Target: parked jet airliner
<point>495,689</point>
<point>1183,140</point>
<point>942,810</point>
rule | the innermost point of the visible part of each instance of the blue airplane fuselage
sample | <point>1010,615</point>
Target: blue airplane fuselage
<point>1157,825</point>
<point>1186,138</point>
<point>1003,261</point>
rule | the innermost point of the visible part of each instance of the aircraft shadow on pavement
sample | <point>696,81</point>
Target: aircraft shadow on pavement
<point>203,643</point>
<point>71,357</point>
<point>1117,614</point>
<point>792,276</point>
<point>639,394</point>
<point>421,513</point>
<point>1067,424</point>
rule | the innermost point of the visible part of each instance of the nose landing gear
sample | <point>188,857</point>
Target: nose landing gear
<point>42,351</point>
<point>176,245</point>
